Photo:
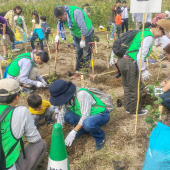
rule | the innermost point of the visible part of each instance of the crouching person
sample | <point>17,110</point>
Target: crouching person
<point>40,109</point>
<point>15,123</point>
<point>81,109</point>
<point>23,69</point>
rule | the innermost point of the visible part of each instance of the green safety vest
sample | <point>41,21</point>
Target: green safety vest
<point>8,140</point>
<point>75,29</point>
<point>136,44</point>
<point>99,107</point>
<point>14,69</point>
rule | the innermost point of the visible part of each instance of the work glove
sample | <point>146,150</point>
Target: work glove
<point>145,75</point>
<point>113,60</point>
<point>31,33</point>
<point>40,84</point>
<point>57,38</point>
<point>82,43</point>
<point>70,138</point>
<point>158,91</point>
<point>4,37</point>
<point>44,82</point>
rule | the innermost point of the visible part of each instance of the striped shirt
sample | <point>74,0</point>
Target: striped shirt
<point>79,19</point>
<point>85,100</point>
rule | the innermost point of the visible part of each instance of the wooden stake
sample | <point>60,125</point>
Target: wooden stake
<point>96,47</point>
<point>139,79</point>
<point>74,59</point>
<point>56,56</point>
<point>159,71</point>
<point>160,111</point>
<point>1,71</point>
<point>82,80</point>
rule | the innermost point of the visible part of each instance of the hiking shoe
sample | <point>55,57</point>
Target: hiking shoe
<point>127,111</point>
<point>118,75</point>
<point>99,146</point>
<point>50,122</point>
<point>27,90</point>
<point>15,50</point>
<point>34,50</point>
<point>142,112</point>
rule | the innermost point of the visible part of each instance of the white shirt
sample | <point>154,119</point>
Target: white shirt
<point>22,123</point>
<point>124,13</point>
<point>164,41</point>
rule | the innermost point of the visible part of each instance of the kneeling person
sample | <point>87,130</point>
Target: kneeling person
<point>40,109</point>
<point>81,109</point>
<point>23,69</point>
<point>15,123</point>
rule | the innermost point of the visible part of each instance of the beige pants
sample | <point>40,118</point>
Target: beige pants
<point>7,41</point>
<point>32,75</point>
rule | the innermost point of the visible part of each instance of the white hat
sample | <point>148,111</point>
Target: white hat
<point>167,12</point>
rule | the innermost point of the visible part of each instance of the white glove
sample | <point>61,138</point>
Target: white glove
<point>57,38</point>
<point>44,82</point>
<point>4,37</point>
<point>40,84</point>
<point>145,75</point>
<point>82,43</point>
<point>31,33</point>
<point>69,139</point>
<point>158,91</point>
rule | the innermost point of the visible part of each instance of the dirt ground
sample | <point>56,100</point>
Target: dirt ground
<point>122,146</point>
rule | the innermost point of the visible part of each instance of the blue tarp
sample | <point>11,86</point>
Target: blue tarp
<point>158,153</point>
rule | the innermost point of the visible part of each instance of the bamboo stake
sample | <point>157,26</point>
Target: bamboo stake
<point>160,111</point>
<point>137,107</point>
<point>159,71</point>
<point>1,71</point>
<point>82,80</point>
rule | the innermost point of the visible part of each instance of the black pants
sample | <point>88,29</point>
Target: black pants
<point>125,24</point>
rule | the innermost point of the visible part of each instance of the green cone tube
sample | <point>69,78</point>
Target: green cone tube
<point>58,159</point>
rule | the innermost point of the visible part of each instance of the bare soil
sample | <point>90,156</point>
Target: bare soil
<point>123,148</point>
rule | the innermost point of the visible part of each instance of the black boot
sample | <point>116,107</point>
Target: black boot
<point>118,75</point>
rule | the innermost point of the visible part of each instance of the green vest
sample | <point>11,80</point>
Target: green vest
<point>14,69</point>
<point>8,140</point>
<point>99,107</point>
<point>136,44</point>
<point>75,29</point>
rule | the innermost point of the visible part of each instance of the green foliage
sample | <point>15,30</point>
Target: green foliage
<point>155,115</point>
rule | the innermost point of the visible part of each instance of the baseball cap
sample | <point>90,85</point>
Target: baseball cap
<point>10,85</point>
<point>165,24</point>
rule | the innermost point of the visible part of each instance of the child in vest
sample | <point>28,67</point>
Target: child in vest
<point>45,27</point>
<point>37,31</point>
<point>40,109</point>
<point>118,22</point>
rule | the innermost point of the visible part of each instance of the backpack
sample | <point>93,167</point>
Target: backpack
<point>2,14</point>
<point>105,98</point>
<point>121,45</point>
<point>46,28</point>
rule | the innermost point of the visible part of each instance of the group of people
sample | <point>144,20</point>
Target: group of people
<point>13,25</point>
<point>76,106</point>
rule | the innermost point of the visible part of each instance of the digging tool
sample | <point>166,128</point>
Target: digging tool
<point>92,45</point>
<point>56,56</point>
<point>95,77</point>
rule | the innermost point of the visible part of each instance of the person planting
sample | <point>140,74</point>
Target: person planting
<point>40,109</point>
<point>17,122</point>
<point>129,63</point>
<point>81,109</point>
<point>23,69</point>
<point>81,27</point>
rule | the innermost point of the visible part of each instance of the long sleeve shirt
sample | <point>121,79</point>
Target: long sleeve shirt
<point>25,68</point>
<point>22,123</point>
<point>124,13</point>
<point>79,19</point>
<point>10,18</point>
<point>85,100</point>
<point>164,41</point>
<point>118,19</point>
<point>147,42</point>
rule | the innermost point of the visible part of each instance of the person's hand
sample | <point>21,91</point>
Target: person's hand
<point>57,38</point>
<point>4,37</point>
<point>70,138</point>
<point>122,20</point>
<point>44,82</point>
<point>158,91</point>
<point>82,43</point>
<point>145,75</point>
<point>40,84</point>
<point>31,33</point>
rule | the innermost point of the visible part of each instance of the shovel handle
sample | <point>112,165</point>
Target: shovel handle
<point>92,45</point>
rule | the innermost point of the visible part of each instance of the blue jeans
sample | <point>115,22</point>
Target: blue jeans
<point>83,61</point>
<point>166,99</point>
<point>34,37</point>
<point>90,125</point>
<point>125,24</point>
<point>13,46</point>
<point>113,30</point>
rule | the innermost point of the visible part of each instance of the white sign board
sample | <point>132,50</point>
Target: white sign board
<point>145,6</point>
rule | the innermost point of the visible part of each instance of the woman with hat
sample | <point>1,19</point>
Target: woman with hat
<point>81,109</point>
